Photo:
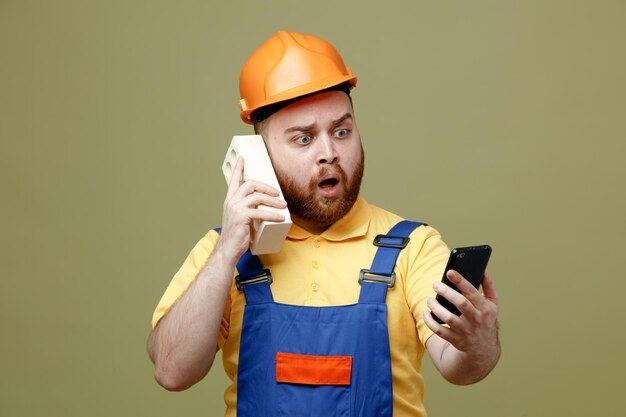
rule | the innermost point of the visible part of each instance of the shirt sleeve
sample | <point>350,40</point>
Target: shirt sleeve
<point>186,275</point>
<point>426,260</point>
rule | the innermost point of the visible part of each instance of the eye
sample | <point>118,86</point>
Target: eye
<point>303,140</point>
<point>341,133</point>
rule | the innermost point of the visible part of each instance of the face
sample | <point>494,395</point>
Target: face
<point>316,151</point>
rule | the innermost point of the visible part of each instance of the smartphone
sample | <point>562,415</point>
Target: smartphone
<point>471,262</point>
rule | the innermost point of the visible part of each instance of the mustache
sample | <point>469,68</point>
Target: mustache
<point>335,171</point>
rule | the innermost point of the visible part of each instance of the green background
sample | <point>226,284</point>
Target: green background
<point>498,122</point>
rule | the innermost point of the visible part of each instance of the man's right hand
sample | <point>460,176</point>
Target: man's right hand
<point>241,208</point>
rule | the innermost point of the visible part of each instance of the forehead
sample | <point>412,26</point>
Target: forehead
<point>315,110</point>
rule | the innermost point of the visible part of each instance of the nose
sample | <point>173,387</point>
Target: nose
<point>327,151</point>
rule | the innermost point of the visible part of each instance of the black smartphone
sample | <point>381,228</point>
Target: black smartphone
<point>471,262</point>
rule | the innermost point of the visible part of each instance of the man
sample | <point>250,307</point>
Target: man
<point>323,339</point>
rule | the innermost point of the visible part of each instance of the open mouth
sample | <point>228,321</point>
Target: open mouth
<point>328,187</point>
<point>328,183</point>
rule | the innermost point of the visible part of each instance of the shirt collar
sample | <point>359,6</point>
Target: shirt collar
<point>354,224</point>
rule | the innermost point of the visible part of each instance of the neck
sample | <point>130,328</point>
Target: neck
<point>311,227</point>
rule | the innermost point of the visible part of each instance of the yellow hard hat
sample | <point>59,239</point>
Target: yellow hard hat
<point>289,65</point>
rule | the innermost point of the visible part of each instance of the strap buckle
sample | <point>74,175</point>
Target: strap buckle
<point>400,243</point>
<point>366,275</point>
<point>264,276</point>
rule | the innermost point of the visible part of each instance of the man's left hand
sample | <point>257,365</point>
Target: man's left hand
<point>467,347</point>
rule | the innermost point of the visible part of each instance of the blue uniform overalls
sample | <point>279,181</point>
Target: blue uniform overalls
<point>318,361</point>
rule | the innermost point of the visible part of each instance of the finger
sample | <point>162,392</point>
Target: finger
<point>447,292</point>
<point>258,200</point>
<point>235,178</point>
<point>430,321</point>
<point>465,287</point>
<point>489,289</point>
<point>244,216</point>
<point>439,329</point>
<point>445,315</point>
<point>466,304</point>
<point>263,215</point>
<point>251,186</point>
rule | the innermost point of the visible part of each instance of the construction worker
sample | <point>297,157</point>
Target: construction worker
<point>337,322</point>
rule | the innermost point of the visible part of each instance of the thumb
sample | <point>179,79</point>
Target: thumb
<point>489,289</point>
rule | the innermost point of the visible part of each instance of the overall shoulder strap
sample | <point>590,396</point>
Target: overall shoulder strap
<point>375,281</point>
<point>253,279</point>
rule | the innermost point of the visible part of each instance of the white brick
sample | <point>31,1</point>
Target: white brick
<point>268,237</point>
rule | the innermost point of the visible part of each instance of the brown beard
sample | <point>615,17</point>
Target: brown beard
<point>305,204</point>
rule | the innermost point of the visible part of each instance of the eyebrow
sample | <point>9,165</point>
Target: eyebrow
<point>300,128</point>
<point>342,119</point>
<point>310,127</point>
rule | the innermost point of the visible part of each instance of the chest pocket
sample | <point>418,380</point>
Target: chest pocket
<point>313,385</point>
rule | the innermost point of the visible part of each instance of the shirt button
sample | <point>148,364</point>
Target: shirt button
<point>315,287</point>
<point>315,264</point>
<point>316,243</point>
